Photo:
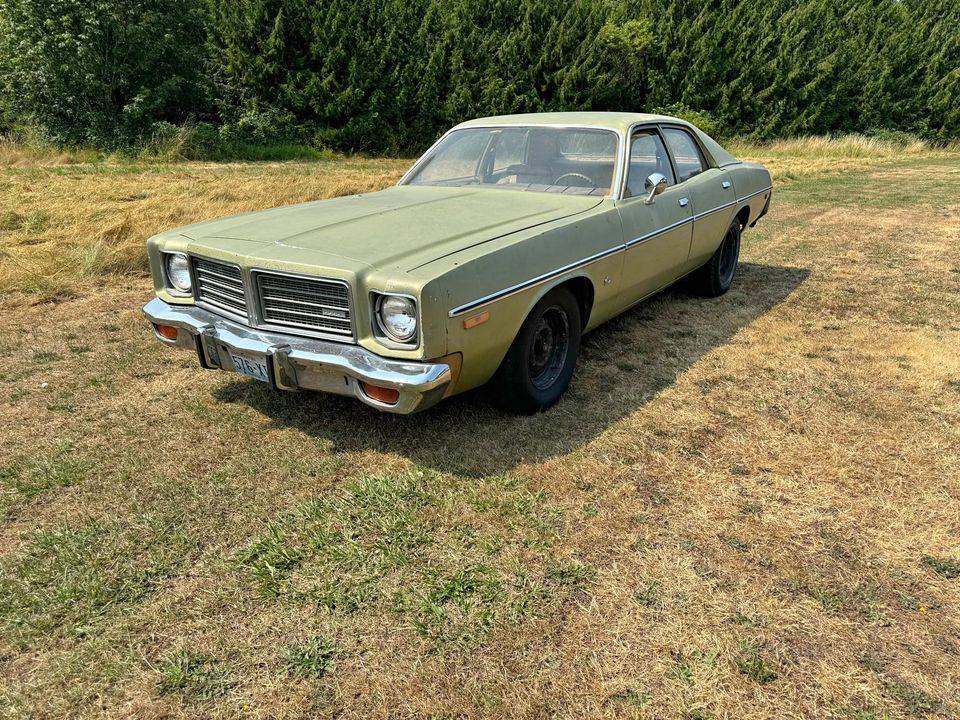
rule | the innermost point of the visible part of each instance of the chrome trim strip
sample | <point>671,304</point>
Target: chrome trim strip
<point>466,307</point>
<point>726,205</point>
<point>698,216</point>
<point>754,194</point>
<point>500,294</point>
<point>661,231</point>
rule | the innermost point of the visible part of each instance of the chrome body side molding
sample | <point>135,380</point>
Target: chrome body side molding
<point>500,294</point>
<point>513,289</point>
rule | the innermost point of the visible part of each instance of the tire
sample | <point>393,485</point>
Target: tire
<point>716,276</point>
<point>539,364</point>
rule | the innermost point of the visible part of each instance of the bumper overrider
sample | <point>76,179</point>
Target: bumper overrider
<point>295,363</point>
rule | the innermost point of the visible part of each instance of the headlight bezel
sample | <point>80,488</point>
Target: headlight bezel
<point>382,329</point>
<point>171,286</point>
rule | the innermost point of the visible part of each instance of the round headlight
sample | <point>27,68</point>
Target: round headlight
<point>178,272</point>
<point>398,317</point>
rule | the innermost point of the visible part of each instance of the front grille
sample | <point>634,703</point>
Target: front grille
<point>321,306</point>
<point>220,285</point>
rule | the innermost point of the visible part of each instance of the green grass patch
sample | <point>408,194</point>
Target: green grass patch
<point>451,563</point>
<point>631,697</point>
<point>32,222</point>
<point>916,702</point>
<point>752,664</point>
<point>571,573</point>
<point>195,677</point>
<point>873,189</point>
<point>65,582</point>
<point>647,595</point>
<point>311,658</point>
<point>27,478</point>
<point>942,566</point>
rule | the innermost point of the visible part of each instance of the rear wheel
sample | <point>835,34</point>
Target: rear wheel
<point>539,364</point>
<point>716,276</point>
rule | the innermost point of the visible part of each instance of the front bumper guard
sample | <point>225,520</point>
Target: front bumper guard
<point>297,363</point>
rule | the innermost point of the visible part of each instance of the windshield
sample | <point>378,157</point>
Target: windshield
<point>575,161</point>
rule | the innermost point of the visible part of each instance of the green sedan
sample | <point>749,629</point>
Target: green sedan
<point>510,238</point>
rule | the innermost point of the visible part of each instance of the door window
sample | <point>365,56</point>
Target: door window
<point>686,153</point>
<point>647,156</point>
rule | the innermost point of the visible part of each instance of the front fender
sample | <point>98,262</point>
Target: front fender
<point>591,254</point>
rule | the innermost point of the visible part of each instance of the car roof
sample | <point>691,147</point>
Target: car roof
<point>620,121</point>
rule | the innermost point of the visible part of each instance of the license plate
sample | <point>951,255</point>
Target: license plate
<point>254,366</point>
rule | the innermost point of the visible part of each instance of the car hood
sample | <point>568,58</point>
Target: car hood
<point>403,227</point>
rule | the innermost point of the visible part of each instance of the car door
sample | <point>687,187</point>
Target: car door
<point>657,231</point>
<point>710,190</point>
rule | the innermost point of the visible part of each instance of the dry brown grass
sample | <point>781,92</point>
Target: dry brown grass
<point>64,227</point>
<point>16,154</point>
<point>745,507</point>
<point>794,158</point>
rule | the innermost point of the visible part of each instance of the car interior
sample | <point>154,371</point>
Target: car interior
<point>575,161</point>
<point>647,156</point>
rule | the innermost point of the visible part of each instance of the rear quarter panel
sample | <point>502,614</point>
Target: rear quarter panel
<point>753,185</point>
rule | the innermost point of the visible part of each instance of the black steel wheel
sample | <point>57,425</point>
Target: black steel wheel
<point>716,276</point>
<point>539,364</point>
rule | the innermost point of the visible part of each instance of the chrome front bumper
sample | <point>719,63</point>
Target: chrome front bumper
<point>297,363</point>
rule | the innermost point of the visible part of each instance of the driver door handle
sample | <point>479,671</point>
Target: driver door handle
<point>684,202</point>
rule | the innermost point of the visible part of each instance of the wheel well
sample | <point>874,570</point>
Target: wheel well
<point>744,216</point>
<point>582,290</point>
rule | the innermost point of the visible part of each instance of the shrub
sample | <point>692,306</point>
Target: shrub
<point>701,118</point>
<point>102,72</point>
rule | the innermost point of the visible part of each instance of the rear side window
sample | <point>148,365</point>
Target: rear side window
<point>647,156</point>
<point>686,153</point>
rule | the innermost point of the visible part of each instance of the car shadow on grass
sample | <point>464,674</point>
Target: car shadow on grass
<point>623,364</point>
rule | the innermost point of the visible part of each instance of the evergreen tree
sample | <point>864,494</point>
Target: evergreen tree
<point>390,75</point>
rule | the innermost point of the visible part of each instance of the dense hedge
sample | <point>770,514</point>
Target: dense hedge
<point>388,75</point>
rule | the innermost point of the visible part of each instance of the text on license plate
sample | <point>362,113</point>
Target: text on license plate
<point>254,366</point>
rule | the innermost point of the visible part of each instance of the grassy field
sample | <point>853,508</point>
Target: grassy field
<point>746,507</point>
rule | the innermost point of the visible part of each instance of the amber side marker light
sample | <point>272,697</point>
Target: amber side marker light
<point>472,322</point>
<point>167,331</point>
<point>388,396</point>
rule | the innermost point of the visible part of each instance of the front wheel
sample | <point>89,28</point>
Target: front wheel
<point>539,364</point>
<point>716,276</point>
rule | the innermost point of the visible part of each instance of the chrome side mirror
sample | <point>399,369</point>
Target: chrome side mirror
<point>654,185</point>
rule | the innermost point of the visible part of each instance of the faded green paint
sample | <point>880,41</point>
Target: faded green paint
<point>450,246</point>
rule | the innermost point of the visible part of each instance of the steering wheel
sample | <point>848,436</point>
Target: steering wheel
<point>577,175</point>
